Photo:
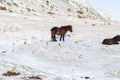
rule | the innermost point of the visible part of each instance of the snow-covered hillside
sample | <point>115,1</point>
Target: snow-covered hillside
<point>25,47</point>
<point>77,8</point>
<point>26,50</point>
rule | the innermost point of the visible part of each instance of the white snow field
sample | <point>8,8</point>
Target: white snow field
<point>26,47</point>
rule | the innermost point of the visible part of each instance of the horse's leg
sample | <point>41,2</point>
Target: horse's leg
<point>63,37</point>
<point>116,42</point>
<point>60,37</point>
<point>54,38</point>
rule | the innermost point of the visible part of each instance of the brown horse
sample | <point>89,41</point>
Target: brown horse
<point>60,31</point>
<point>111,41</point>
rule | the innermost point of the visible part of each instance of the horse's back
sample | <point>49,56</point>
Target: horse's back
<point>108,41</point>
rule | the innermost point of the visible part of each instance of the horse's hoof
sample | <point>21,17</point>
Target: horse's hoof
<point>53,40</point>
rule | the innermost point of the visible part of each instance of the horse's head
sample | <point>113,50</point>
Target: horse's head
<point>70,28</point>
<point>117,37</point>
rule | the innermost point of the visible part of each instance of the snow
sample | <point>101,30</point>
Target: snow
<point>55,7</point>
<point>26,48</point>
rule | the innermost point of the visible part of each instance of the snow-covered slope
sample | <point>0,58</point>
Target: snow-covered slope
<point>77,8</point>
<point>25,47</point>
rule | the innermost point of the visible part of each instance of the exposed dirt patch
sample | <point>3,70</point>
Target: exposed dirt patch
<point>10,73</point>
<point>33,78</point>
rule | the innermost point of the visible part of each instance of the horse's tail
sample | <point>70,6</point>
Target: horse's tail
<point>53,32</point>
